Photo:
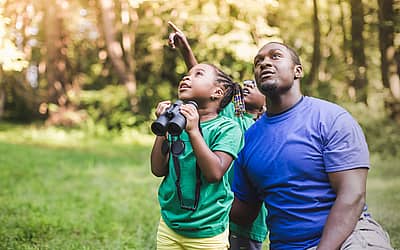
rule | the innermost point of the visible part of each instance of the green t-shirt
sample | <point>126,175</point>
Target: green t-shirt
<point>244,121</point>
<point>258,230</point>
<point>212,214</point>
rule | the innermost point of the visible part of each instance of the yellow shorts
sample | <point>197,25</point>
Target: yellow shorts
<point>167,239</point>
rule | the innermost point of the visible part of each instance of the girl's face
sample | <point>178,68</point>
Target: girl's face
<point>199,84</point>
<point>253,98</point>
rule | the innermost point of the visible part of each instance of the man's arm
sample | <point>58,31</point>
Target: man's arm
<point>350,188</point>
<point>243,213</point>
<point>178,40</point>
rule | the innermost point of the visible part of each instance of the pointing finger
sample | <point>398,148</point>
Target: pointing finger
<point>173,26</point>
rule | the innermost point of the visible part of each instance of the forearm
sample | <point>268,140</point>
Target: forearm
<point>178,40</point>
<point>243,213</point>
<point>188,57</point>
<point>341,221</point>
<point>187,54</point>
<point>209,163</point>
<point>159,161</point>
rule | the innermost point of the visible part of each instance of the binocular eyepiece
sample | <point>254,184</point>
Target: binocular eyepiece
<point>171,120</point>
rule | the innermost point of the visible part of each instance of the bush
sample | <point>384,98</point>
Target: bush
<point>382,133</point>
<point>107,109</point>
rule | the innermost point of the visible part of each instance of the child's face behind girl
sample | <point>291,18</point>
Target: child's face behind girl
<point>200,85</point>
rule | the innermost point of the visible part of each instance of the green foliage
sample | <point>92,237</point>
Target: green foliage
<point>225,33</point>
<point>108,108</point>
<point>382,134</point>
<point>11,59</point>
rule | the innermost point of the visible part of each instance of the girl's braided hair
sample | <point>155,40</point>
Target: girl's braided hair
<point>233,92</point>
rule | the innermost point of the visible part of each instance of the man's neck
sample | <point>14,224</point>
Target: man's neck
<point>279,104</point>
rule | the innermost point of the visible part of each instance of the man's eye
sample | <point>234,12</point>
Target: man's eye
<point>276,55</point>
<point>199,73</point>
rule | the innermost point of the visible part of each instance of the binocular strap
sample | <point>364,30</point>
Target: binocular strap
<point>178,184</point>
<point>178,181</point>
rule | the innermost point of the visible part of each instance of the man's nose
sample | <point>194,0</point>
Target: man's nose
<point>266,62</point>
<point>186,78</point>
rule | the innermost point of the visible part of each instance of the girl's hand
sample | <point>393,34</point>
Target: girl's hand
<point>177,38</point>
<point>162,107</point>
<point>192,117</point>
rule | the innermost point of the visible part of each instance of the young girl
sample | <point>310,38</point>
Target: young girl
<point>195,196</point>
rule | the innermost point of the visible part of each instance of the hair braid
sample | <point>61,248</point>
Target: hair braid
<point>233,92</point>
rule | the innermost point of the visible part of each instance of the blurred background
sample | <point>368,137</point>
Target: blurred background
<point>105,63</point>
<point>74,70</point>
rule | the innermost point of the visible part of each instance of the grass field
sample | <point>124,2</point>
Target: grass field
<point>64,190</point>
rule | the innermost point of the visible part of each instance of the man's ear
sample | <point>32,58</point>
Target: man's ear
<point>298,72</point>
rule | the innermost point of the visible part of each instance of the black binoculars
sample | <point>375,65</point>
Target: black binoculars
<point>171,120</point>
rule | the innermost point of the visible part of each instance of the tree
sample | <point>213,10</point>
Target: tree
<point>11,58</point>
<point>344,32</point>
<point>316,56</point>
<point>389,67</point>
<point>56,60</point>
<point>59,81</point>
<point>125,70</point>
<point>360,82</point>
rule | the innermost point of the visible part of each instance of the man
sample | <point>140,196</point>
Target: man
<point>307,160</point>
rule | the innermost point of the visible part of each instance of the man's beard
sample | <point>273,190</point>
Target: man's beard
<point>268,88</point>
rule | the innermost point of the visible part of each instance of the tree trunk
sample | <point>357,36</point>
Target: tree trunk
<point>2,99</point>
<point>57,67</point>
<point>56,59</point>
<point>115,51</point>
<point>360,81</point>
<point>316,57</point>
<point>389,66</point>
<point>129,28</point>
<point>128,45</point>
<point>52,39</point>
<point>344,31</point>
<point>389,69</point>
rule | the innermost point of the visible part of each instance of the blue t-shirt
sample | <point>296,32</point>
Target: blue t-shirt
<point>285,163</point>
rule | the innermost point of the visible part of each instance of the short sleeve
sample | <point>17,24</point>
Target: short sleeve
<point>345,146</point>
<point>229,139</point>
<point>241,184</point>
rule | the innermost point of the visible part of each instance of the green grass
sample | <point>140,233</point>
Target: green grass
<point>86,194</point>
<point>65,190</point>
<point>383,195</point>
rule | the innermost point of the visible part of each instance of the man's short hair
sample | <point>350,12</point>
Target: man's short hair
<point>295,57</point>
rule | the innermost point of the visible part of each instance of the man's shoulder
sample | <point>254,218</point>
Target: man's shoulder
<point>324,105</point>
<point>325,111</point>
